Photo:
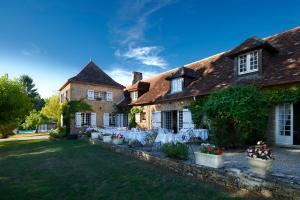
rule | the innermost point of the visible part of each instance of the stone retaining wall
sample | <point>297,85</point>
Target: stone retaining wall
<point>229,178</point>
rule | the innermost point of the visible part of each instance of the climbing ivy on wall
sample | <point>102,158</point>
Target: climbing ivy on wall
<point>70,108</point>
<point>132,113</point>
<point>239,114</point>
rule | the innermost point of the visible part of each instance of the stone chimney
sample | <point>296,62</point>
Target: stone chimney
<point>137,76</point>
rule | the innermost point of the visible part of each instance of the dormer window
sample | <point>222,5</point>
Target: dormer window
<point>248,62</point>
<point>134,95</point>
<point>176,85</point>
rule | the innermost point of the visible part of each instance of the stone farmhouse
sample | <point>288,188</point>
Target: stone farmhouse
<point>269,62</point>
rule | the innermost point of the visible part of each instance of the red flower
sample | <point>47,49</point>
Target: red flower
<point>209,148</point>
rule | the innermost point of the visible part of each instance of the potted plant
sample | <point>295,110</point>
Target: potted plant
<point>117,138</point>
<point>210,156</point>
<point>106,138</point>
<point>260,158</point>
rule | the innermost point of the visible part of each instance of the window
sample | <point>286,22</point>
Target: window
<point>180,120</point>
<point>143,116</point>
<point>112,119</point>
<point>176,85</point>
<point>101,96</point>
<point>248,62</point>
<point>167,120</point>
<point>61,98</point>
<point>134,95</point>
<point>85,119</point>
<point>67,95</point>
<point>285,119</point>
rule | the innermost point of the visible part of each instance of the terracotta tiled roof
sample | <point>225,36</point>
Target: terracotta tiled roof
<point>92,74</point>
<point>217,71</point>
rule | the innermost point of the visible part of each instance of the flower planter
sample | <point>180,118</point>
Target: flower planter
<point>94,135</point>
<point>107,138</point>
<point>209,160</point>
<point>259,166</point>
<point>117,141</point>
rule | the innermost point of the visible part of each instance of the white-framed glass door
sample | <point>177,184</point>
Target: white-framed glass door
<point>284,124</point>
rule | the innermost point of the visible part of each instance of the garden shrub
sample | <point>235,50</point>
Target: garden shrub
<point>238,115</point>
<point>179,150</point>
<point>59,132</point>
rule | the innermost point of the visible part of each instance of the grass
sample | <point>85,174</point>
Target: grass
<point>73,169</point>
<point>22,135</point>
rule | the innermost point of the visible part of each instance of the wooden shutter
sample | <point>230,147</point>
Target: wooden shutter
<point>93,120</point>
<point>105,119</point>
<point>109,96</point>
<point>137,117</point>
<point>90,95</point>
<point>187,121</point>
<point>156,119</point>
<point>78,120</point>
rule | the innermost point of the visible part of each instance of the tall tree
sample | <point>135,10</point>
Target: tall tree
<point>31,91</point>
<point>29,86</point>
<point>14,104</point>
<point>52,108</point>
<point>33,120</point>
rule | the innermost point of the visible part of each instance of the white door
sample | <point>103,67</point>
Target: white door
<point>284,124</point>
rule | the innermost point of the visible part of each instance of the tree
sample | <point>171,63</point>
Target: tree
<point>14,104</point>
<point>31,91</point>
<point>33,120</point>
<point>52,108</point>
<point>28,85</point>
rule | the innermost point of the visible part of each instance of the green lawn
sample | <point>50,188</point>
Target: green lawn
<point>73,169</point>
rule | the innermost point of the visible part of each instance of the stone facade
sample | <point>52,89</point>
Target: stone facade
<point>148,109</point>
<point>77,91</point>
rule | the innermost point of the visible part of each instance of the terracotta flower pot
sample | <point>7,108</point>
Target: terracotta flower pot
<point>209,160</point>
<point>259,166</point>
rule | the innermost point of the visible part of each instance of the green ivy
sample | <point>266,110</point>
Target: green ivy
<point>239,114</point>
<point>133,111</point>
<point>70,108</point>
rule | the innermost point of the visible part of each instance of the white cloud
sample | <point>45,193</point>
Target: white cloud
<point>125,77</point>
<point>129,30</point>
<point>148,55</point>
<point>32,50</point>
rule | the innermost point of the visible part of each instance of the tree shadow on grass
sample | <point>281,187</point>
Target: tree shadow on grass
<point>73,169</point>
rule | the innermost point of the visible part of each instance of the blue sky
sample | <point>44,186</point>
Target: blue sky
<point>52,40</point>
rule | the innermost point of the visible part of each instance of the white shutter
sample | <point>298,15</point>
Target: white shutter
<point>105,119</point>
<point>109,96</point>
<point>187,121</point>
<point>78,120</point>
<point>61,120</point>
<point>93,120</point>
<point>156,119</point>
<point>90,94</point>
<point>121,120</point>
<point>137,117</point>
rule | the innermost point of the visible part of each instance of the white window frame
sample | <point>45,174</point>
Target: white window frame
<point>134,95</point>
<point>176,85</point>
<point>86,119</point>
<point>249,62</point>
